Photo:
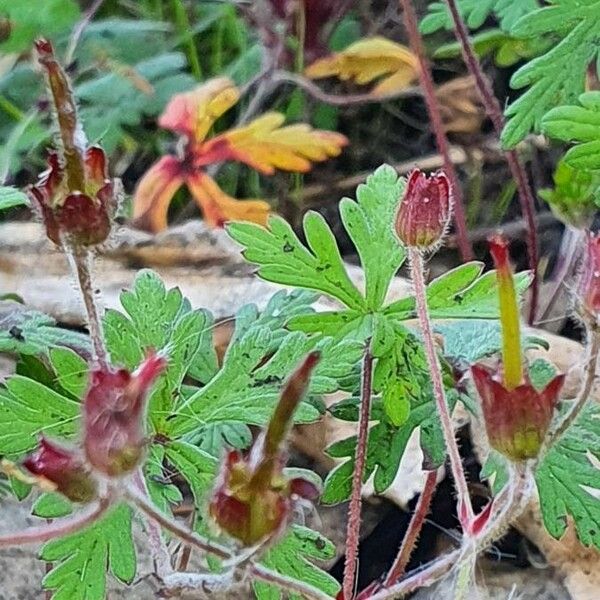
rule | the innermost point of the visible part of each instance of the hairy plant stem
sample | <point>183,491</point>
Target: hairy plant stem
<point>158,549</point>
<point>354,509</point>
<point>59,527</point>
<point>465,508</point>
<point>584,393</point>
<point>414,529</point>
<point>182,532</point>
<point>81,262</point>
<point>513,502</point>
<point>437,125</point>
<point>200,580</point>
<point>494,112</point>
<point>421,578</point>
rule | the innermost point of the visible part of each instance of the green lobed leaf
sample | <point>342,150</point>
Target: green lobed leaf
<point>293,557</point>
<point>506,48</point>
<point>368,222</point>
<point>282,258</point>
<point>26,331</point>
<point>459,294</point>
<point>81,559</point>
<point>254,368</point>
<point>558,76</point>
<point>159,319</point>
<point>196,466</point>
<point>29,409</point>
<point>475,12</point>
<point>568,480</point>
<point>581,124</point>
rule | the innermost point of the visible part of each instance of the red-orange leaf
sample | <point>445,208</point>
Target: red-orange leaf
<point>193,113</point>
<point>154,193</point>
<point>218,207</point>
<point>265,145</point>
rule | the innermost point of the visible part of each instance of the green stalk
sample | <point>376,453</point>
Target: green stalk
<point>183,26</point>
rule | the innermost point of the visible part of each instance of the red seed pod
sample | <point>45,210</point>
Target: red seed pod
<point>425,210</point>
<point>113,410</point>
<point>253,499</point>
<point>589,283</point>
<point>64,469</point>
<point>516,420</point>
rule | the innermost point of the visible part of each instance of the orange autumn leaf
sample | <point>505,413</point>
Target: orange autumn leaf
<point>367,60</point>
<point>215,203</point>
<point>194,113</point>
<point>265,144</point>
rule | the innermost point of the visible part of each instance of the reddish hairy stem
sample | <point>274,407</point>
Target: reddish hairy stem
<point>494,112</point>
<point>58,528</point>
<point>435,116</point>
<point>353,527</point>
<point>465,509</point>
<point>414,529</point>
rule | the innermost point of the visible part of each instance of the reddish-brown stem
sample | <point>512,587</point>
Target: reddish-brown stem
<point>353,527</point>
<point>465,508</point>
<point>494,112</point>
<point>58,528</point>
<point>437,125</point>
<point>414,529</point>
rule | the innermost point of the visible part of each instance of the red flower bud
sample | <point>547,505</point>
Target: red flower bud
<point>516,420</point>
<point>75,197</point>
<point>114,416</point>
<point>425,210</point>
<point>253,498</point>
<point>589,283</point>
<point>64,469</point>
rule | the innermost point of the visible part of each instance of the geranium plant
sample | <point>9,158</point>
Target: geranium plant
<point>114,427</point>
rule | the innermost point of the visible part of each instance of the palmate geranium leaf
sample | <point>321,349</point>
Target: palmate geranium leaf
<point>282,258</point>
<point>578,123</point>
<point>292,556</point>
<point>568,480</point>
<point>558,76</point>
<point>256,364</point>
<point>81,560</point>
<point>159,319</point>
